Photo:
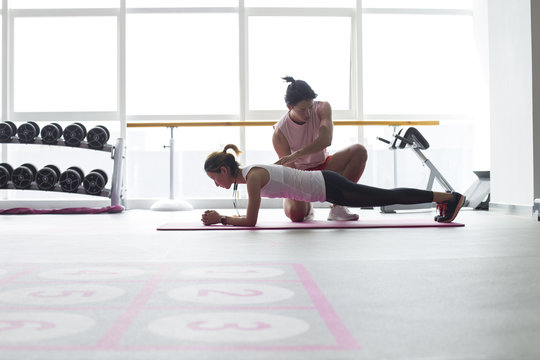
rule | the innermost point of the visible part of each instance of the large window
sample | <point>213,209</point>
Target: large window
<point>63,4</point>
<point>421,61</point>
<point>112,62</point>
<point>418,5</point>
<point>62,65</point>
<point>170,73</point>
<point>65,64</point>
<point>317,49</point>
<point>417,64</point>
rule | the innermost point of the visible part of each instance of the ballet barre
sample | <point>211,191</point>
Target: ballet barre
<point>272,123</point>
<point>173,204</point>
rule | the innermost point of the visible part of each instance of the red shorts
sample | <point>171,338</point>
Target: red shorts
<point>322,166</point>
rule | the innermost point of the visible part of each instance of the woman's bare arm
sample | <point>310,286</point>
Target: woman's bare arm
<point>258,177</point>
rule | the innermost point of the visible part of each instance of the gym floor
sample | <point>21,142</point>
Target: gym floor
<point>110,286</point>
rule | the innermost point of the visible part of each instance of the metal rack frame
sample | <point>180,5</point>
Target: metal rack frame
<point>115,192</point>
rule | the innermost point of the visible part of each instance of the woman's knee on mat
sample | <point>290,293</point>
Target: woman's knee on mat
<point>296,210</point>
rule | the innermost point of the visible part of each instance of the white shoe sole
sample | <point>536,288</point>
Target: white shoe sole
<point>353,217</point>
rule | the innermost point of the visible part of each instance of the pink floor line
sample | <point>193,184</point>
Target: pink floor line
<point>187,264</point>
<point>231,307</point>
<point>64,282</point>
<point>230,281</point>
<point>177,348</point>
<point>333,322</point>
<point>59,308</point>
<point>112,338</point>
<point>12,278</point>
<point>268,348</point>
<point>171,307</point>
<point>110,341</point>
<point>165,281</point>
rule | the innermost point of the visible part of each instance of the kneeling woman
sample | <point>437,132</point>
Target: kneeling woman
<point>276,181</point>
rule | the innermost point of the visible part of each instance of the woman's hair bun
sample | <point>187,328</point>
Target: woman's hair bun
<point>288,79</point>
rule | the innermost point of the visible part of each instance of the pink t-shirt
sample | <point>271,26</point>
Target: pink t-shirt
<point>299,136</point>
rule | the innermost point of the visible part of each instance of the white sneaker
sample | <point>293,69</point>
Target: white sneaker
<point>310,215</point>
<point>338,212</point>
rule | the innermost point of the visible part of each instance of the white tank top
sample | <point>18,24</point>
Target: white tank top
<point>299,136</point>
<point>286,182</point>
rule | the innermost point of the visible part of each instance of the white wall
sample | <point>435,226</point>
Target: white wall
<point>511,103</point>
<point>535,11</point>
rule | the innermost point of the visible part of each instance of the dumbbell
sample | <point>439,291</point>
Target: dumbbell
<point>95,182</point>
<point>27,132</point>
<point>47,177</point>
<point>97,137</point>
<point>74,134</point>
<point>7,130</point>
<point>5,174</point>
<point>51,133</point>
<point>71,179</point>
<point>24,176</point>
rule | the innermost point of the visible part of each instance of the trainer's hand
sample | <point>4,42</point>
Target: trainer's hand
<point>287,159</point>
<point>210,217</point>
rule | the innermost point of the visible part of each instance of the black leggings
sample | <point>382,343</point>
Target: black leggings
<point>341,191</point>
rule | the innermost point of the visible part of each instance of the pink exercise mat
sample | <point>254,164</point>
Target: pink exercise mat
<point>315,224</point>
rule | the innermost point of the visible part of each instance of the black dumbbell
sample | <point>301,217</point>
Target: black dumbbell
<point>74,134</point>
<point>71,179</point>
<point>5,174</point>
<point>24,176</point>
<point>95,182</point>
<point>7,131</point>
<point>47,177</point>
<point>27,132</point>
<point>51,133</point>
<point>97,137</point>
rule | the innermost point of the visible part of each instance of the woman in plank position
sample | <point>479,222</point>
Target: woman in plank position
<point>276,181</point>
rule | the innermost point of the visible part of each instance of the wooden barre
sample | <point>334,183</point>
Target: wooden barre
<point>271,123</point>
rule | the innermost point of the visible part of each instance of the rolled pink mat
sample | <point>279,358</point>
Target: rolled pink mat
<point>76,210</point>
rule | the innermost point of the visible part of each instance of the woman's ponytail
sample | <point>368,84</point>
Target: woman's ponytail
<point>217,159</point>
<point>233,148</point>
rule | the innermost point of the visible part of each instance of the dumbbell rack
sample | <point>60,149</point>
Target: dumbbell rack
<point>117,154</point>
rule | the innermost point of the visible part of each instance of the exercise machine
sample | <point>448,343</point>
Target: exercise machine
<point>477,195</point>
<point>413,139</point>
